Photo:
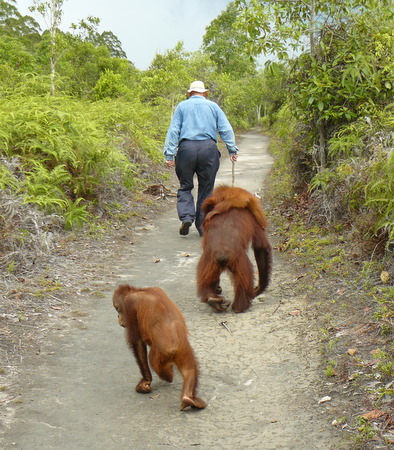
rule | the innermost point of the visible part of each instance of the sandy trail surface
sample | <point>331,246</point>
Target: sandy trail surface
<point>259,373</point>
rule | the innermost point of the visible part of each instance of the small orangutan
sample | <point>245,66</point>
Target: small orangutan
<point>152,319</point>
<point>233,221</point>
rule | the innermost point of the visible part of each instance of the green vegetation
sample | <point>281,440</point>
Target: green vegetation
<point>340,102</point>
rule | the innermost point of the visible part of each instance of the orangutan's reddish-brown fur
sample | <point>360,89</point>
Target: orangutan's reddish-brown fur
<point>152,319</point>
<point>234,220</point>
<point>225,197</point>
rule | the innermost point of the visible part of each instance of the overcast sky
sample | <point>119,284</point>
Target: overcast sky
<point>144,27</point>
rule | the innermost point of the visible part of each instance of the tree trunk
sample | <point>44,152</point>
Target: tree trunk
<point>53,25</point>
<point>322,146</point>
<point>258,111</point>
<point>312,27</point>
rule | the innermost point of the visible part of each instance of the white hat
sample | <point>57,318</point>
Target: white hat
<point>197,86</point>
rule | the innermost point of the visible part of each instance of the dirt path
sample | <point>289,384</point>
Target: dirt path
<point>260,378</point>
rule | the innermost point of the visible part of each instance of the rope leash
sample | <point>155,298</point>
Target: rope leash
<point>232,173</point>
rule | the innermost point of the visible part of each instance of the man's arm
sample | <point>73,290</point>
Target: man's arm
<point>226,132</point>
<point>172,137</point>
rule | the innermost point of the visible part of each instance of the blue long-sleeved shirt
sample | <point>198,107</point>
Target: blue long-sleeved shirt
<point>198,118</point>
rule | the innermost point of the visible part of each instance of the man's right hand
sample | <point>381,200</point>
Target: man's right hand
<point>170,162</point>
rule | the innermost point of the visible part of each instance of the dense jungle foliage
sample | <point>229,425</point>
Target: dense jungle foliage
<point>80,125</point>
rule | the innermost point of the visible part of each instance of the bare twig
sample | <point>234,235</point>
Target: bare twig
<point>276,309</point>
<point>224,324</point>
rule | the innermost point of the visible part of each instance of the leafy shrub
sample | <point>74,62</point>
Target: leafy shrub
<point>359,188</point>
<point>72,153</point>
<point>109,86</point>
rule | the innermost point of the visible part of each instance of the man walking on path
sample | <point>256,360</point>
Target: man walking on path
<point>191,139</point>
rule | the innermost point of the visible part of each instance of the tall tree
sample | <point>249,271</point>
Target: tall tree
<point>51,12</point>
<point>277,26</point>
<point>87,30</point>
<point>225,44</point>
<point>13,24</point>
<point>167,77</point>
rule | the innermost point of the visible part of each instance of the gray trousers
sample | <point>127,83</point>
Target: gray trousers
<point>200,158</point>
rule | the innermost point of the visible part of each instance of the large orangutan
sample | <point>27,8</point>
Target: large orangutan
<point>152,319</point>
<point>234,221</point>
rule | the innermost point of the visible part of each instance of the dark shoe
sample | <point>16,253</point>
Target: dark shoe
<point>184,230</point>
